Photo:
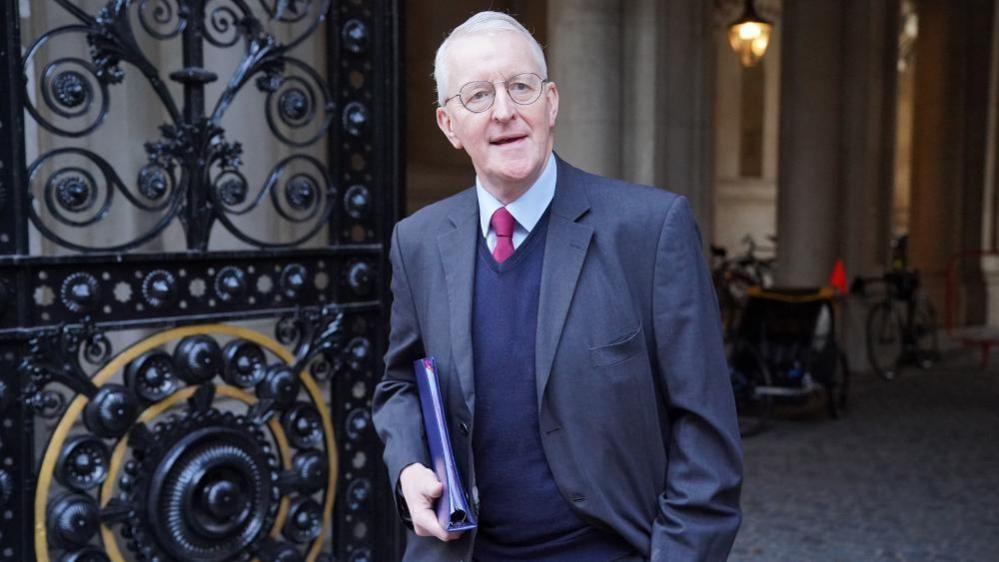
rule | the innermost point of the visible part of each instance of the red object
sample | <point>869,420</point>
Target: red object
<point>837,279</point>
<point>502,222</point>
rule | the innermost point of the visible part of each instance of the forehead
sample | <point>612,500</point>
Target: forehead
<point>489,55</point>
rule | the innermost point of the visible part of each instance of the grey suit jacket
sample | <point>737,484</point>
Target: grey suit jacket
<point>637,417</point>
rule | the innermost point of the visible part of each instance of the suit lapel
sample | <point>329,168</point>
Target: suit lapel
<point>565,250</point>
<point>458,248</point>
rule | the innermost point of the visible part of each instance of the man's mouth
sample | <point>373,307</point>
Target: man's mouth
<point>507,140</point>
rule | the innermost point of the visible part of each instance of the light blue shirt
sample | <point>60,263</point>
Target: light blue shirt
<point>526,210</point>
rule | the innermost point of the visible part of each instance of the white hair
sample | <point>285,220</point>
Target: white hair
<point>482,21</point>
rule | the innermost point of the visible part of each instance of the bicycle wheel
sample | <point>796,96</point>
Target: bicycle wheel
<point>884,340</point>
<point>748,373</point>
<point>924,334</point>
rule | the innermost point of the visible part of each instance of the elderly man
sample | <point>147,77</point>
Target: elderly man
<point>577,336</point>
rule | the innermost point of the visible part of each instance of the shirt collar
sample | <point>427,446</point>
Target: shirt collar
<point>526,209</point>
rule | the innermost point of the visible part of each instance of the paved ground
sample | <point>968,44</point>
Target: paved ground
<point>910,473</point>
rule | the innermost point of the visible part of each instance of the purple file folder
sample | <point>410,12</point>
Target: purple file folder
<point>453,511</point>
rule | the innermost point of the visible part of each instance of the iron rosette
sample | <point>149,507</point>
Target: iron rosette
<point>216,445</point>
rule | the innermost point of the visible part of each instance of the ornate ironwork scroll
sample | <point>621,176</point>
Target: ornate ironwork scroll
<point>194,171</point>
<point>146,411</point>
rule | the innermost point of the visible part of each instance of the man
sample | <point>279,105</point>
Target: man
<point>577,336</point>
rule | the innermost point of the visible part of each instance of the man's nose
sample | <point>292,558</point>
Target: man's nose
<point>503,107</point>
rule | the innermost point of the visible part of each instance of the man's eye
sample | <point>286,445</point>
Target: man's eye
<point>478,95</point>
<point>520,86</point>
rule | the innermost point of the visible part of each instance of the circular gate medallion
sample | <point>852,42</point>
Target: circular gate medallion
<point>191,477</point>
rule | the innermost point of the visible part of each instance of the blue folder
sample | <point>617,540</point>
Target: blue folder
<point>453,511</point>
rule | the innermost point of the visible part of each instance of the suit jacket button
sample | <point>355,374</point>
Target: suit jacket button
<point>464,428</point>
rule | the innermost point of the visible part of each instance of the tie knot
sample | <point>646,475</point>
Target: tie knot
<point>502,222</point>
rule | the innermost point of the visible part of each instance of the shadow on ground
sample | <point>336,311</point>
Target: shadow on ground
<point>911,473</point>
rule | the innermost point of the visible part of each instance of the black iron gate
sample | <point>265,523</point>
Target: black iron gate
<point>191,315</point>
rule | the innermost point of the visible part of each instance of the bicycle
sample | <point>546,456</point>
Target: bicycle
<point>732,278</point>
<point>902,326</point>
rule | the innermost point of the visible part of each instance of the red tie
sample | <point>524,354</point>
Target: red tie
<point>502,223</point>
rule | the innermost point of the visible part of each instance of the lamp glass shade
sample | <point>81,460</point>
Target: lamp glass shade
<point>749,36</point>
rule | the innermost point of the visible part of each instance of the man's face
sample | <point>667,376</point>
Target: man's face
<point>508,143</point>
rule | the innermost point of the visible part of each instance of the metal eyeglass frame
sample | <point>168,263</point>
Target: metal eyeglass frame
<point>505,88</point>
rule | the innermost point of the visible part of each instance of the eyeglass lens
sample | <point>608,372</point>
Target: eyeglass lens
<point>523,89</point>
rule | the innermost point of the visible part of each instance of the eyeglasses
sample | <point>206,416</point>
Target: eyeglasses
<point>523,89</point>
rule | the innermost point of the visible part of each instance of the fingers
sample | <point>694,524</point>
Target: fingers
<point>425,524</point>
<point>420,488</point>
<point>433,489</point>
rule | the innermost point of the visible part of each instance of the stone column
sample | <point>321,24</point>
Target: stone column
<point>584,60</point>
<point>685,64</point>
<point>635,78</point>
<point>951,109</point>
<point>810,168</point>
<point>638,86</point>
<point>870,75</point>
<point>990,199</point>
<point>837,120</point>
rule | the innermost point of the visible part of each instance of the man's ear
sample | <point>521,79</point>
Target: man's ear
<point>446,125</point>
<point>552,96</point>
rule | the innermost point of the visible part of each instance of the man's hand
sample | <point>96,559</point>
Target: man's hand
<point>420,487</point>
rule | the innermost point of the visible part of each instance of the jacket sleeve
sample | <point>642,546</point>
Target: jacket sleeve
<point>698,512</point>
<point>396,402</point>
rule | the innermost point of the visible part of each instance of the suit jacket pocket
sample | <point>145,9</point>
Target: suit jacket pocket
<point>617,351</point>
